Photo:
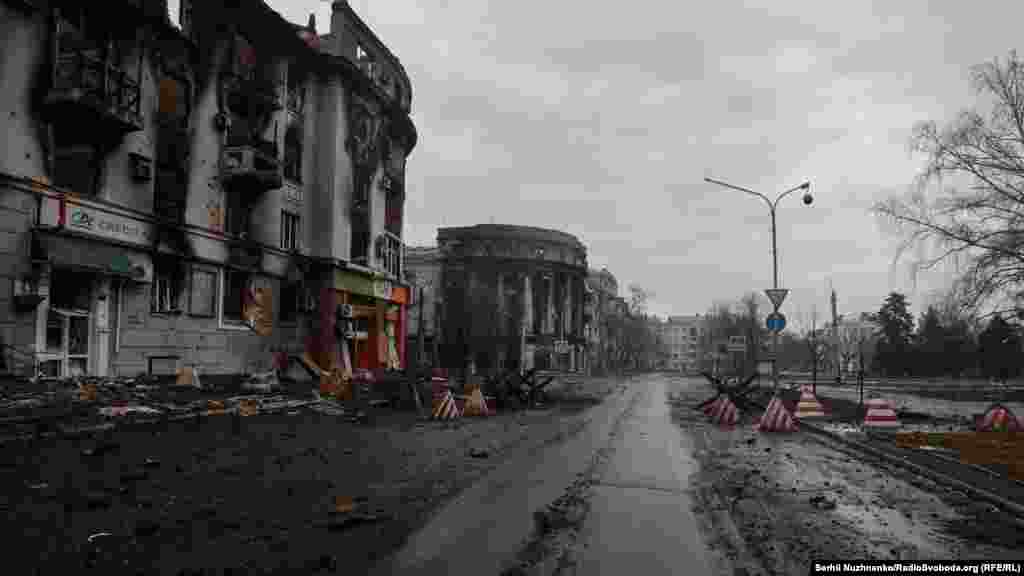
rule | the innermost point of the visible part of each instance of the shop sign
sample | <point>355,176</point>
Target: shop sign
<point>353,283</point>
<point>382,289</point>
<point>92,221</point>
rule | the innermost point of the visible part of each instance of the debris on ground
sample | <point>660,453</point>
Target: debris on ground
<point>811,501</point>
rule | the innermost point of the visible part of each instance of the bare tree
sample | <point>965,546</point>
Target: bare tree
<point>978,221</point>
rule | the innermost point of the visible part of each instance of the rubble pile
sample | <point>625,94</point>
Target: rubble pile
<point>87,403</point>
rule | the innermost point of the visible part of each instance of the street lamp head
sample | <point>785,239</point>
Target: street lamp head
<point>806,187</point>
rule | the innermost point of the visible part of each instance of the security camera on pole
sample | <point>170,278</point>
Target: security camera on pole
<point>775,321</point>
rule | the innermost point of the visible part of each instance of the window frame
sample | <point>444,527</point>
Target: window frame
<point>290,315</point>
<point>227,322</point>
<point>291,231</point>
<point>233,206</point>
<point>293,154</point>
<point>166,278</point>
<point>214,293</point>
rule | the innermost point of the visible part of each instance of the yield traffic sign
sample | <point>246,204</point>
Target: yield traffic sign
<point>777,296</point>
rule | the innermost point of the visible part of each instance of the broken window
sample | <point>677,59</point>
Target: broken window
<point>70,289</point>
<point>236,218</point>
<point>393,201</point>
<point>236,286</point>
<point>291,300</point>
<point>360,239</point>
<point>76,167</point>
<point>296,88</point>
<point>293,154</point>
<point>167,287</point>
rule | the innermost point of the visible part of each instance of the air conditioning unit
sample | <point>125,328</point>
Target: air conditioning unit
<point>346,310</point>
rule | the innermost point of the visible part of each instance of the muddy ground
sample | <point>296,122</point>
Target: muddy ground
<point>770,504</point>
<point>300,491</point>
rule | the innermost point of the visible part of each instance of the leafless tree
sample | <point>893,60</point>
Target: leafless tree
<point>977,221</point>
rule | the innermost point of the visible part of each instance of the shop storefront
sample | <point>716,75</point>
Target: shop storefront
<point>378,311</point>
<point>82,254</point>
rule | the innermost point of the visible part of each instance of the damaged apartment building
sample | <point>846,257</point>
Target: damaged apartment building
<point>198,191</point>
<point>502,297</point>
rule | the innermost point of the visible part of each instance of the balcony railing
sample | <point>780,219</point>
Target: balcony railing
<point>252,159</point>
<point>82,79</point>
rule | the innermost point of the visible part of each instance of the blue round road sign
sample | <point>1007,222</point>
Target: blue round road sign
<point>775,322</point>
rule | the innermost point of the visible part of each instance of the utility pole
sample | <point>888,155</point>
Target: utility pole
<point>835,340</point>
<point>814,350</point>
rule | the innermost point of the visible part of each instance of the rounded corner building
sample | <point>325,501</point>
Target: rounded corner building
<point>512,298</point>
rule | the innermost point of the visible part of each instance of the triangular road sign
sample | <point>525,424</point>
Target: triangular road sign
<point>777,296</point>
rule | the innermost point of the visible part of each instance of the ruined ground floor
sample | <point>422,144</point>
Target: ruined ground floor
<point>88,288</point>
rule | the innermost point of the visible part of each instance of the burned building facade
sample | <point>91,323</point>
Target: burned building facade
<point>512,297</point>
<point>200,191</point>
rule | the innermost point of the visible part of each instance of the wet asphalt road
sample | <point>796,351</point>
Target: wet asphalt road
<point>640,521</point>
<point>641,518</point>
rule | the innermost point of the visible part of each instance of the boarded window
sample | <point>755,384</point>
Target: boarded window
<point>174,97</point>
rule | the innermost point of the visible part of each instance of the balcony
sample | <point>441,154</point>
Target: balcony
<point>251,162</point>
<point>252,94</point>
<point>93,94</point>
<point>246,254</point>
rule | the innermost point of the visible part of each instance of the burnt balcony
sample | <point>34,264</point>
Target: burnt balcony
<point>245,253</point>
<point>252,94</point>
<point>94,94</point>
<point>252,162</point>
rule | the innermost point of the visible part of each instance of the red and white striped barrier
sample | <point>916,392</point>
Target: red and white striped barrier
<point>726,413</point>
<point>710,407</point>
<point>808,406</point>
<point>446,409</point>
<point>476,405</point>
<point>999,418</point>
<point>776,418</point>
<point>880,414</point>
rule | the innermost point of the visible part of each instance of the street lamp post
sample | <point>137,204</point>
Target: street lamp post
<point>772,207</point>
<point>413,372</point>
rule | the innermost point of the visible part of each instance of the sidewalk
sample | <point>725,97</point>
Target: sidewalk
<point>293,491</point>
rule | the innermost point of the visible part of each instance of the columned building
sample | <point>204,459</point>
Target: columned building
<point>512,298</point>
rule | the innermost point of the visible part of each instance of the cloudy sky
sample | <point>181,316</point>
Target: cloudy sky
<point>603,118</point>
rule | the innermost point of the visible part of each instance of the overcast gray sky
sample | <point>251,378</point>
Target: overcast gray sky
<point>602,118</point>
